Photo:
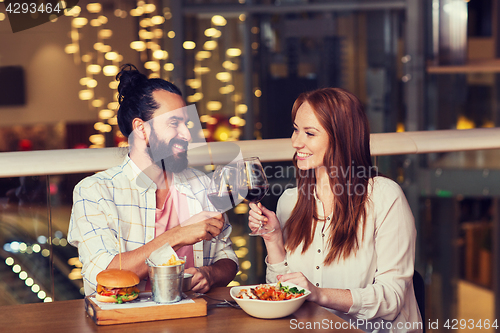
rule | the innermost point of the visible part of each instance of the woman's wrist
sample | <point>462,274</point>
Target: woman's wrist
<point>275,251</point>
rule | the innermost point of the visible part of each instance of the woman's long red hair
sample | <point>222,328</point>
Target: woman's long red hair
<point>349,164</point>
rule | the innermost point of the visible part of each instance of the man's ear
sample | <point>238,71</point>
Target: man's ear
<point>138,125</point>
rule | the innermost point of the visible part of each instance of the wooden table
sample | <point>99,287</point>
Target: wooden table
<point>70,316</point>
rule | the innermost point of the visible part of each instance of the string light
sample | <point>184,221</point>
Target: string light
<point>210,45</point>
<point>79,22</point>
<point>97,103</point>
<point>219,20</point>
<point>28,281</point>
<point>94,69</point>
<point>71,48</point>
<point>160,54</point>
<point>94,8</point>
<point>110,70</point>
<point>189,45</point>
<point>103,58</point>
<point>138,45</point>
<point>112,56</point>
<point>86,95</point>
<point>223,76</point>
<point>169,67</point>
<point>214,105</point>
<point>233,52</point>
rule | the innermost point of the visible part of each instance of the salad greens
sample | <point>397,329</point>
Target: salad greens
<point>289,290</point>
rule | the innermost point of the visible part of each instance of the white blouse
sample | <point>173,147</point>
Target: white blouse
<point>379,275</point>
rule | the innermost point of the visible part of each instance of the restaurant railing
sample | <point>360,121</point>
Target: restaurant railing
<point>68,161</point>
<point>80,161</point>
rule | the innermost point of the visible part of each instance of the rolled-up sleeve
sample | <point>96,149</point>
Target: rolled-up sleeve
<point>395,236</point>
<point>91,232</point>
<point>273,270</point>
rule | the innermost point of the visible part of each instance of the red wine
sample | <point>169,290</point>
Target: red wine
<point>222,202</point>
<point>256,193</point>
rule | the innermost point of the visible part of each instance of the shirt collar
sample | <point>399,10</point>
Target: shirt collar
<point>136,175</point>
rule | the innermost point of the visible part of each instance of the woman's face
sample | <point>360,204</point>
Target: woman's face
<point>309,139</point>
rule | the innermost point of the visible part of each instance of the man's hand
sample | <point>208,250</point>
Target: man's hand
<point>202,226</point>
<point>200,282</point>
<point>219,274</point>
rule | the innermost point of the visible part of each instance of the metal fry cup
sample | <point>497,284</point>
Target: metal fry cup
<point>166,282</point>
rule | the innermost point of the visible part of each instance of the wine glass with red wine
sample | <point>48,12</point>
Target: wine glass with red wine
<point>253,186</point>
<point>223,189</point>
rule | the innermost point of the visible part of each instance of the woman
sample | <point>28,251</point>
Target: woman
<point>345,233</point>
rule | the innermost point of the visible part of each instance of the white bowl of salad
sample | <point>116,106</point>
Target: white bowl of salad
<point>269,301</point>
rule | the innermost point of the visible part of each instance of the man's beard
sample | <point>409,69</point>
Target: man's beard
<point>164,156</point>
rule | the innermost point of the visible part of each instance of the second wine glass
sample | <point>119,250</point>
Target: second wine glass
<point>253,186</point>
<point>223,190</point>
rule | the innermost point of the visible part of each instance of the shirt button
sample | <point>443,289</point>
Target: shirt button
<point>286,264</point>
<point>317,267</point>
<point>319,250</point>
<point>317,284</point>
<point>328,218</point>
<point>322,235</point>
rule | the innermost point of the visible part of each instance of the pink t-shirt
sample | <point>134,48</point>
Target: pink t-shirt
<point>174,212</point>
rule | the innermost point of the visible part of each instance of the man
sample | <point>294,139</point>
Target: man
<point>152,198</point>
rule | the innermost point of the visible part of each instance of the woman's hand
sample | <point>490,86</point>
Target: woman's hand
<point>274,240</point>
<point>337,299</point>
<point>300,280</point>
<point>261,215</point>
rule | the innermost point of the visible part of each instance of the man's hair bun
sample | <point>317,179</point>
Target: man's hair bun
<point>135,96</point>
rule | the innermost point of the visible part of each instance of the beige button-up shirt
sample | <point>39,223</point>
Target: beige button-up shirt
<point>379,275</point>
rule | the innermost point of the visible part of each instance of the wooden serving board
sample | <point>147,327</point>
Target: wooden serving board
<point>143,311</point>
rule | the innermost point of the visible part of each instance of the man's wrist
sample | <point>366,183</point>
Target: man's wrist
<point>173,238</point>
<point>206,272</point>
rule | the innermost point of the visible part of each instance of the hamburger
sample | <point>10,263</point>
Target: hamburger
<point>117,286</point>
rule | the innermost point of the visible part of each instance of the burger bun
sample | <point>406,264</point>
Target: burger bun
<point>117,278</point>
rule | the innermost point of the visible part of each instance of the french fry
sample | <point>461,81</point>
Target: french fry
<point>173,261</point>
